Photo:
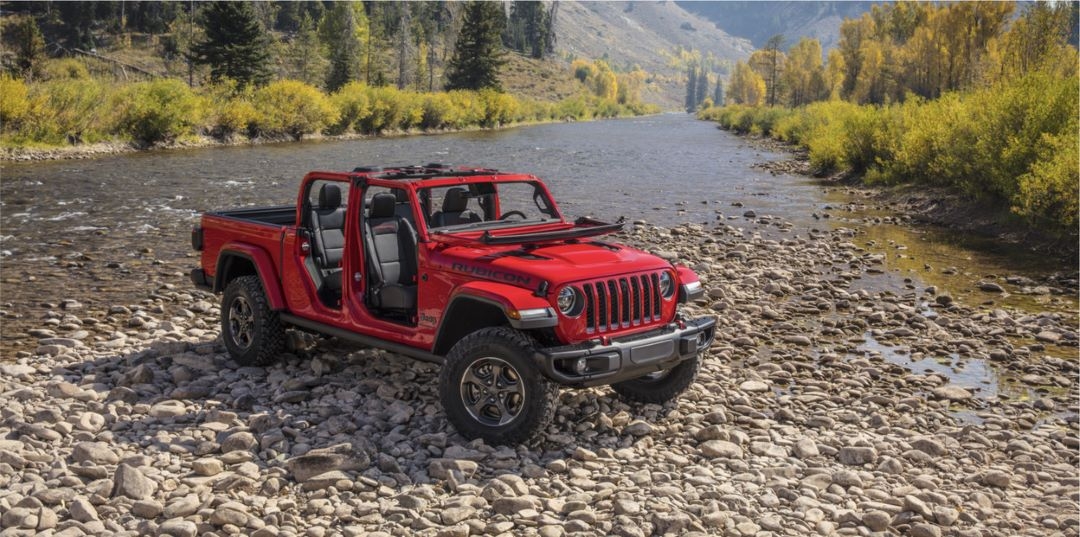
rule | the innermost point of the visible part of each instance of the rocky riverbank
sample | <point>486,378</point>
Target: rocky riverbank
<point>936,206</point>
<point>803,422</point>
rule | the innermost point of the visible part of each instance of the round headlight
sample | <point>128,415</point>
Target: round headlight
<point>667,286</point>
<point>567,300</point>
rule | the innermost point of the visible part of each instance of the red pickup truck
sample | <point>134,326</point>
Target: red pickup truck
<point>471,268</point>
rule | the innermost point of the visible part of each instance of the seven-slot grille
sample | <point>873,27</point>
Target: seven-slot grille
<point>622,302</point>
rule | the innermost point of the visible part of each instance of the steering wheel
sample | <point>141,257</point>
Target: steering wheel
<point>508,214</point>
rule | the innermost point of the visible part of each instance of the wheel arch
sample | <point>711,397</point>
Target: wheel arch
<point>487,304</point>
<point>242,260</point>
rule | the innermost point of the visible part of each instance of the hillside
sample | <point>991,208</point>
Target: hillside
<point>758,21</point>
<point>643,34</point>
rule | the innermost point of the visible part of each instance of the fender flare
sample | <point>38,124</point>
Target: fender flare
<point>520,308</point>
<point>264,268</point>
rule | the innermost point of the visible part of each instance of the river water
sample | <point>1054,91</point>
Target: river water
<point>109,231</point>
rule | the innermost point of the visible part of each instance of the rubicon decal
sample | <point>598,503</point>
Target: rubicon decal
<point>490,273</point>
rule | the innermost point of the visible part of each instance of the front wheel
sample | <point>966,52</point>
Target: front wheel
<point>661,386</point>
<point>491,389</point>
<point>251,330</point>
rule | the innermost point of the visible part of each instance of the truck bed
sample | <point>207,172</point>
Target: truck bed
<point>284,215</point>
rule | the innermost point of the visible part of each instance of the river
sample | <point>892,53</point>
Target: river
<point>109,231</point>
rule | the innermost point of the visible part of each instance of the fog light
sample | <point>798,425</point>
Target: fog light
<point>581,366</point>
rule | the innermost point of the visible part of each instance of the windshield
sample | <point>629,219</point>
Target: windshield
<point>486,205</point>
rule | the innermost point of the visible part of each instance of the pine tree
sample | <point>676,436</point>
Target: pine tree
<point>339,35</point>
<point>718,93</point>
<point>478,54</point>
<point>305,56</point>
<point>30,51</point>
<point>702,87</point>
<point>236,46</point>
<point>691,89</point>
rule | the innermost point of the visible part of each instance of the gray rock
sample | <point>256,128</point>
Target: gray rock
<point>721,449</point>
<point>341,457</point>
<point>20,517</point>
<point>239,441</point>
<point>925,530</point>
<point>207,466</point>
<point>857,455</point>
<point>146,509</point>
<point>82,510</point>
<point>129,481</point>
<point>182,507</point>
<point>228,515</point>
<point>997,478</point>
<point>639,428</point>
<point>513,505</point>
<point>951,393</point>
<point>929,446</point>
<point>805,448</point>
<point>754,386</point>
<point>94,452</point>
<point>441,468</point>
<point>877,520</point>
<point>453,515</point>
<point>178,528</point>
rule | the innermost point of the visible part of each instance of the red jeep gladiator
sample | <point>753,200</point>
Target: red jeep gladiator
<point>474,269</point>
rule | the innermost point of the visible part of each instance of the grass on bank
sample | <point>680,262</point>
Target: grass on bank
<point>68,106</point>
<point>1014,143</point>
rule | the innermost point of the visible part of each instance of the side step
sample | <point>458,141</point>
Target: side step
<point>411,352</point>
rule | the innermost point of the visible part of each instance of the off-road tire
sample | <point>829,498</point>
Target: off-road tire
<point>252,332</point>
<point>663,389</point>
<point>501,346</point>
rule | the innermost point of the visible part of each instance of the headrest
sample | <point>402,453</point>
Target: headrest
<point>382,205</point>
<point>401,195</point>
<point>456,200</point>
<point>329,196</point>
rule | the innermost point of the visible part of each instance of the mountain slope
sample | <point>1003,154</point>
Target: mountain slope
<point>758,21</point>
<point>643,34</point>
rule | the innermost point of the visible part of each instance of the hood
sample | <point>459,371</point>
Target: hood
<point>555,263</point>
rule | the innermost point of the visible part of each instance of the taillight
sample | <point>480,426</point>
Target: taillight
<point>197,238</point>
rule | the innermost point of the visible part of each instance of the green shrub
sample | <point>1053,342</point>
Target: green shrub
<point>156,111</point>
<point>293,108</point>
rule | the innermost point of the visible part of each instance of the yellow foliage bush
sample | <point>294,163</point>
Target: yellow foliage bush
<point>231,109</point>
<point>353,105</point>
<point>65,68</point>
<point>156,111</point>
<point>293,108</point>
<point>14,103</point>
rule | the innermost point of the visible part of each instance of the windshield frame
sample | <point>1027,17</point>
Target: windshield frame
<point>489,204</point>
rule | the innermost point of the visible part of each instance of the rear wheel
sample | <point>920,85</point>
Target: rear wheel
<point>661,386</point>
<point>491,389</point>
<point>251,330</point>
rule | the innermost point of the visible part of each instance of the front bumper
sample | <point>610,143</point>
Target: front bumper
<point>628,357</point>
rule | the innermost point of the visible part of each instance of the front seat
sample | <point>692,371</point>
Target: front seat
<point>455,209</point>
<point>328,228</point>
<point>391,248</point>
